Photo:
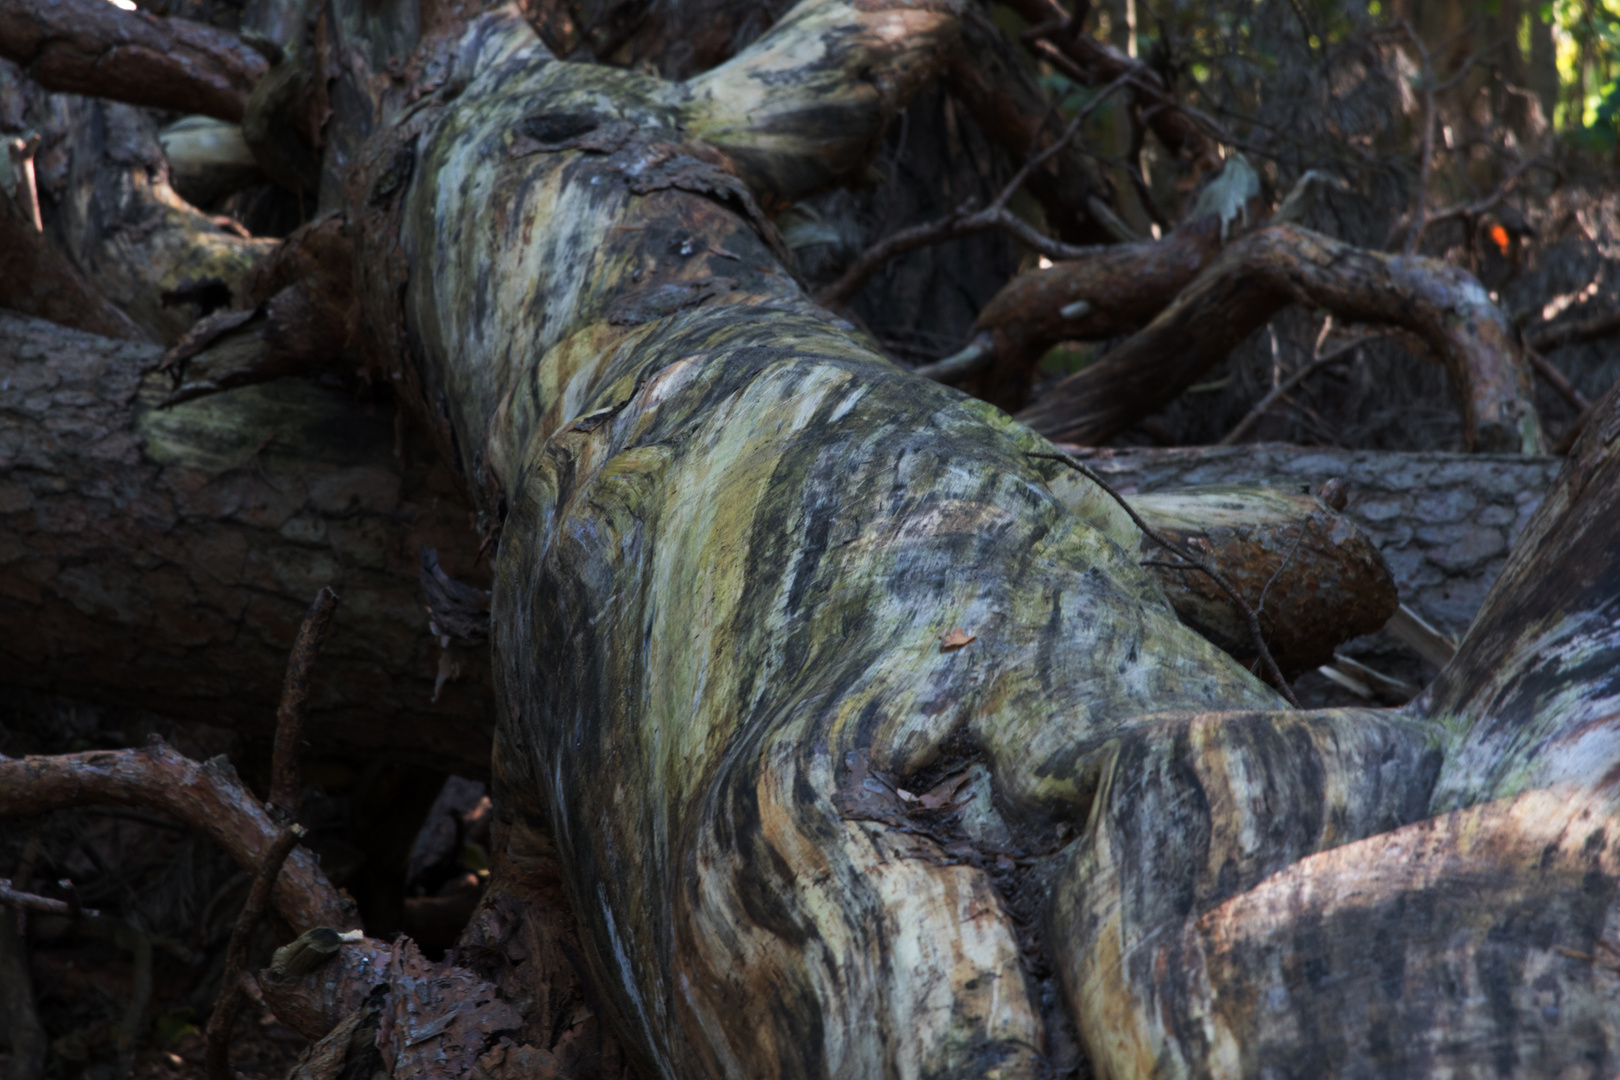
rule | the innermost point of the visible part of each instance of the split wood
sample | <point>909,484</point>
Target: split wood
<point>1268,664</point>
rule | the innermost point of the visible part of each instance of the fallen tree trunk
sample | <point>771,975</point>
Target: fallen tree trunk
<point>163,557</point>
<point>1447,873</point>
<point>857,747</point>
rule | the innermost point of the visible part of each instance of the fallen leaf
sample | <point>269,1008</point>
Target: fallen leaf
<point>956,639</point>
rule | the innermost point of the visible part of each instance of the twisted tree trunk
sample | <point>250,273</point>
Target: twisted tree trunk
<point>861,746</point>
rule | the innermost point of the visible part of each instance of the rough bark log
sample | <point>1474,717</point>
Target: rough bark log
<point>164,557</point>
<point>1314,579</point>
<point>93,47</point>
<point>1281,265</point>
<point>1443,523</point>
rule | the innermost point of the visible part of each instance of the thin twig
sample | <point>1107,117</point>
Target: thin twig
<point>284,785</point>
<point>1556,380</point>
<point>1273,673</point>
<point>1420,201</point>
<point>217,1038</point>
<point>1278,392</point>
<point>962,223</point>
<point>1545,338</point>
<point>43,904</point>
<point>1277,573</point>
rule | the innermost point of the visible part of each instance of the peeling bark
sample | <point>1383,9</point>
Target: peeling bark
<point>1283,264</point>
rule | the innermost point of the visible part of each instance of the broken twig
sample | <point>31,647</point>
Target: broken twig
<point>42,904</point>
<point>994,216</point>
<point>217,1038</point>
<point>284,784</point>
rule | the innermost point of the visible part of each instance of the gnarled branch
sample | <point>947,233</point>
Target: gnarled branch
<point>1284,264</point>
<point>93,47</point>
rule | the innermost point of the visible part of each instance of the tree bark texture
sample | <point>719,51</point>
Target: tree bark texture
<point>864,749</point>
<point>1446,910</point>
<point>1283,264</point>
<point>1443,525</point>
<point>734,550</point>
<point>164,557</point>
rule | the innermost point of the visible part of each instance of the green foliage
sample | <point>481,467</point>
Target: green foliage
<point>1587,37</point>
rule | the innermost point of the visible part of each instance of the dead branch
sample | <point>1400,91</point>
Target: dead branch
<point>218,1035</point>
<point>92,47</point>
<point>963,223</point>
<point>1420,197</point>
<point>1545,338</point>
<point>284,785</point>
<point>1283,264</point>
<point>1278,392</point>
<point>1109,292</point>
<point>43,904</point>
<point>208,797</point>
<point>1556,379</point>
<point>996,81</point>
<point>1268,664</point>
<point>1182,129</point>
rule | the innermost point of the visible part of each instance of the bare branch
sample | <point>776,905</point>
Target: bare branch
<point>961,223</point>
<point>1545,338</point>
<point>1281,390</point>
<point>42,904</point>
<point>92,47</point>
<point>1556,379</point>
<point>1420,198</point>
<point>217,1050</point>
<point>284,785</point>
<point>208,797</point>
<point>1282,264</point>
